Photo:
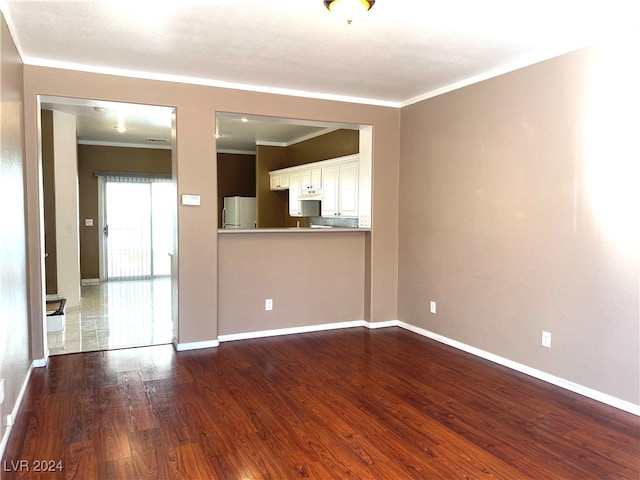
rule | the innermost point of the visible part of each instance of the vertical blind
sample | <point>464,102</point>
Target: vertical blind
<point>138,225</point>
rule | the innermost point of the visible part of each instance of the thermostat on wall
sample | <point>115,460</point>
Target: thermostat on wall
<point>190,199</point>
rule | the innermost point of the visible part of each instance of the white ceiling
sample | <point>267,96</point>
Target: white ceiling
<point>401,51</point>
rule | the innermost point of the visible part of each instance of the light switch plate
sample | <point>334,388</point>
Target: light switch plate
<point>193,200</point>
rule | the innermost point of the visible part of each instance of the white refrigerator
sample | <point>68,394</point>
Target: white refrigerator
<point>239,212</point>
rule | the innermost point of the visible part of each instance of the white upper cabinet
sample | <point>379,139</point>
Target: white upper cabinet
<point>278,181</point>
<point>348,189</point>
<point>329,204</point>
<point>295,209</point>
<point>311,180</point>
<point>340,190</point>
<point>337,179</point>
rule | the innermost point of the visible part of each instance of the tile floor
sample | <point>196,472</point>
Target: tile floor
<point>117,314</point>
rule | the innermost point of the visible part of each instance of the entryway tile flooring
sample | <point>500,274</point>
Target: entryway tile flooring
<point>117,314</point>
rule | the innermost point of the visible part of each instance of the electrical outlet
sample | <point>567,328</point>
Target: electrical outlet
<point>432,307</point>
<point>546,339</point>
<point>9,421</point>
<point>268,304</point>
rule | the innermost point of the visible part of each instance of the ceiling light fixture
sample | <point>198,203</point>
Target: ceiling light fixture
<point>349,9</point>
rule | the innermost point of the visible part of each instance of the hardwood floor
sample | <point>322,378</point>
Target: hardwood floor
<point>368,404</point>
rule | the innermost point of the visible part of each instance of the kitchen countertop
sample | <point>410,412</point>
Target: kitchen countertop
<point>292,230</point>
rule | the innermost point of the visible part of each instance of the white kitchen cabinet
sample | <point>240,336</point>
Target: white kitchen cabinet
<point>278,181</point>
<point>295,209</point>
<point>337,180</point>
<point>310,180</point>
<point>329,204</point>
<point>340,190</point>
<point>348,189</point>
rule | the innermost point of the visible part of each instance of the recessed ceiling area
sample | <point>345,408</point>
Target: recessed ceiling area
<point>112,123</point>
<point>397,53</point>
<point>241,133</point>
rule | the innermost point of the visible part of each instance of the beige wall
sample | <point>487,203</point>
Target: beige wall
<point>323,280</point>
<point>92,158</point>
<point>14,333</point>
<point>196,107</point>
<point>519,213</point>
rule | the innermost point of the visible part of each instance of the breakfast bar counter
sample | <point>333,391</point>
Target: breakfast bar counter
<point>293,230</point>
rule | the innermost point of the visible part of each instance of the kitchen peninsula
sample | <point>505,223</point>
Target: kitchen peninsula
<point>300,271</point>
<point>311,229</point>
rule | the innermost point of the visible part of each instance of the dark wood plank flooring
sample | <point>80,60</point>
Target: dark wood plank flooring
<point>382,404</point>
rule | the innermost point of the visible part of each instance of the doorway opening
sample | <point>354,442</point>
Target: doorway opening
<point>113,175</point>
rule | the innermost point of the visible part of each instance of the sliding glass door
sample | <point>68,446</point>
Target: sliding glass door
<point>137,227</point>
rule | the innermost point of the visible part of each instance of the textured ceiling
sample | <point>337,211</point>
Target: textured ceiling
<point>399,52</point>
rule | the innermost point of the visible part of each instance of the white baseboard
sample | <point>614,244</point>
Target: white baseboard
<point>291,330</point>
<point>41,362</point>
<point>389,323</point>
<point>519,367</point>
<point>14,411</point>
<point>181,347</point>
<point>90,281</point>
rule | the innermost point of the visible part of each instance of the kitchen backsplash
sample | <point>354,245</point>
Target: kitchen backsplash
<point>334,222</point>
